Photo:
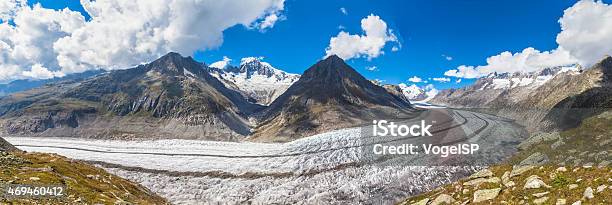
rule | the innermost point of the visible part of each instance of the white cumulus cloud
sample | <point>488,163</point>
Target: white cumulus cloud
<point>269,22</point>
<point>123,33</point>
<point>371,68</point>
<point>370,44</point>
<point>442,80</point>
<point>586,31</point>
<point>343,10</point>
<point>9,7</point>
<point>527,60</point>
<point>40,72</point>
<point>585,38</point>
<point>120,33</point>
<point>27,44</point>
<point>415,79</point>
<point>431,90</point>
<point>448,58</point>
<point>222,63</point>
<point>464,71</point>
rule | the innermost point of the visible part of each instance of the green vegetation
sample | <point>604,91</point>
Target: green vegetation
<point>85,184</point>
<point>567,184</point>
<point>577,163</point>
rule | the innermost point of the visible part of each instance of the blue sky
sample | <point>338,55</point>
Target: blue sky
<point>468,31</point>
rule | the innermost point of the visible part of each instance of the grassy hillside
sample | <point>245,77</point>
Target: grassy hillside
<point>551,168</point>
<point>85,184</point>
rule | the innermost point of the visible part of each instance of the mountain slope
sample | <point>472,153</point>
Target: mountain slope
<point>531,102</point>
<point>569,163</point>
<point>397,91</point>
<point>6,146</point>
<point>83,183</point>
<point>329,95</point>
<point>513,87</point>
<point>22,85</point>
<point>255,79</point>
<point>172,97</point>
<point>571,111</point>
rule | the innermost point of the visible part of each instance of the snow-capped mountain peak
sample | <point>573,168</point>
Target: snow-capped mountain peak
<point>411,92</point>
<point>530,80</point>
<point>254,66</point>
<point>254,78</point>
<point>414,93</point>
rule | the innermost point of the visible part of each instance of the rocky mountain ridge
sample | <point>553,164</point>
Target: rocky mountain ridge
<point>530,102</point>
<point>329,95</point>
<point>22,85</point>
<point>168,96</point>
<point>177,97</point>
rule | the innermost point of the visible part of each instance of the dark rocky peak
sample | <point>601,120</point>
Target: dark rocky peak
<point>332,69</point>
<point>332,79</point>
<point>549,71</point>
<point>174,64</point>
<point>605,66</point>
<point>329,88</point>
<point>229,68</point>
<point>252,65</point>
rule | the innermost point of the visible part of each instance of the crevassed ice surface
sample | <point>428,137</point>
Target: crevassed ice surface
<point>328,168</point>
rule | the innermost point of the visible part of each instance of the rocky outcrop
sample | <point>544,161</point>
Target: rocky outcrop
<point>485,195</point>
<point>542,185</point>
<point>6,146</point>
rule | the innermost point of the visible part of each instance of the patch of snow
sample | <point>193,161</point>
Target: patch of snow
<point>412,91</point>
<point>501,83</point>
<point>247,60</point>
<point>189,73</point>
<point>520,82</point>
<point>483,86</point>
<point>572,69</point>
<point>418,94</point>
<point>540,80</point>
